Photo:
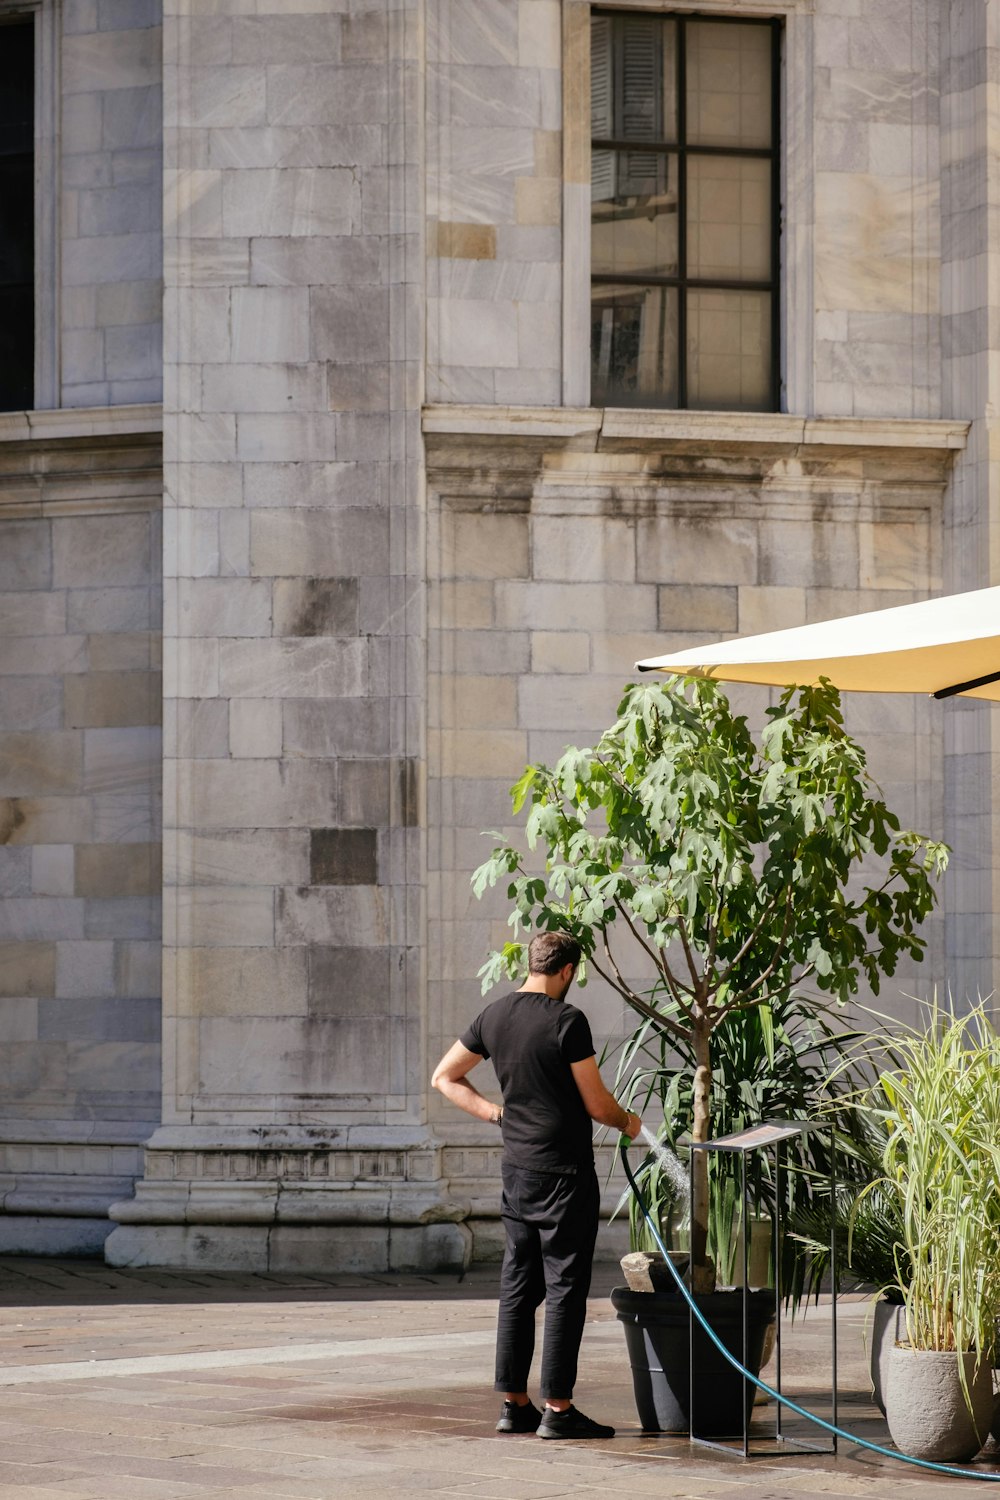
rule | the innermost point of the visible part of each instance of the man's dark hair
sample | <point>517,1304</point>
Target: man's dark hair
<point>551,951</point>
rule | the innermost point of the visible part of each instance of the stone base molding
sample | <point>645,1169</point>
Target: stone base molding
<point>57,1180</point>
<point>288,1199</point>
<point>332,1248</point>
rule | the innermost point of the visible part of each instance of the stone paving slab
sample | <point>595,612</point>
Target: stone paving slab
<point>158,1385</point>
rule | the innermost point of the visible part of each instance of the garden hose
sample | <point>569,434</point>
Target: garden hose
<point>904,1458</point>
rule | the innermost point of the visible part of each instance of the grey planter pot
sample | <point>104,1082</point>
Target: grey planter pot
<point>926,1408</point>
<point>888,1327</point>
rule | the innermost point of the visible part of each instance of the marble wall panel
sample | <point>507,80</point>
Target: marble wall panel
<point>563,639</point>
<point>263,981</point>
<point>293,343</point>
<point>79,844</point>
<point>242,1056</point>
<point>493,164</point>
<point>255,728</point>
<point>110,222</point>
<point>875,197</point>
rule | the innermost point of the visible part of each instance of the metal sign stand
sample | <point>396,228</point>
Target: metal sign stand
<point>771,1133</point>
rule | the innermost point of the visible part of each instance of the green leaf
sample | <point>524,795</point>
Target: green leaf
<point>522,787</point>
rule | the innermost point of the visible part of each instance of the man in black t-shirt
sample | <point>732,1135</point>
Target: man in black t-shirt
<point>543,1055</point>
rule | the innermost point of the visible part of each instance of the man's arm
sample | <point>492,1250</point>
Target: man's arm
<point>450,1079</point>
<point>601,1105</point>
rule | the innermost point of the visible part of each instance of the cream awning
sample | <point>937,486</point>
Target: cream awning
<point>939,646</point>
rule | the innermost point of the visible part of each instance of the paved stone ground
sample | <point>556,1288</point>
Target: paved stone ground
<point>153,1385</point>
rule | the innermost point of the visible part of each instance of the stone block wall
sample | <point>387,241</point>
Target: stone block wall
<point>288,479</point>
<point>494,201</point>
<point>875,187</point>
<point>109,158</point>
<point>293,649</point>
<point>79,828</point>
<point>559,551</point>
<point>969,205</point>
<point>368,206</point>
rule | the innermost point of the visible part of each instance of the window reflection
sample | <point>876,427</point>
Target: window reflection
<point>634,353</point>
<point>633,74</point>
<point>634,227</point>
<point>683,222</point>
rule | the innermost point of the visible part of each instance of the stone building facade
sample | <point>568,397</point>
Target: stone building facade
<point>312,291</point>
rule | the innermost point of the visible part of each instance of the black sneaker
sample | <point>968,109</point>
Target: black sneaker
<point>514,1418</point>
<point>571,1424</point>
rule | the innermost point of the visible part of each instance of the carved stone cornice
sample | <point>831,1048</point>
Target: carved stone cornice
<point>86,461</point>
<point>513,452</point>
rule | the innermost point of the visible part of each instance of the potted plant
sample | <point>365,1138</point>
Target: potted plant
<point>722,869</point>
<point>938,1101</point>
<point>779,1060</point>
<point>783,1059</point>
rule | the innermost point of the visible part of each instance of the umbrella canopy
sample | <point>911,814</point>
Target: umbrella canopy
<point>939,646</point>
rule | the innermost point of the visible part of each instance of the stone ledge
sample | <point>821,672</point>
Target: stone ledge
<point>36,1133</point>
<point>51,1195</point>
<point>274,1201</point>
<point>290,1138</point>
<point>320,1165</point>
<point>514,457</point>
<point>593,429</point>
<point>70,422</point>
<point>92,462</point>
<point>292,1247</point>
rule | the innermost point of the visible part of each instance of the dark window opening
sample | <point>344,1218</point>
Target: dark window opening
<point>17,216</point>
<point>685,180</point>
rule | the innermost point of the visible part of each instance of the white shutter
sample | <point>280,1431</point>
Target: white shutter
<point>602,164</point>
<point>640,108</point>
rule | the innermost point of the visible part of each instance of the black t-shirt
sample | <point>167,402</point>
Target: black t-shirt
<point>532,1040</point>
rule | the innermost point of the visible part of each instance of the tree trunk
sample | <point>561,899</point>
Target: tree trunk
<point>702,1269</point>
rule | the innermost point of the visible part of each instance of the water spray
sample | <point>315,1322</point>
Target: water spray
<point>669,1164</point>
<point>666,1159</point>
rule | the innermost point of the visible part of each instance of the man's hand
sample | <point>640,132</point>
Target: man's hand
<point>450,1079</point>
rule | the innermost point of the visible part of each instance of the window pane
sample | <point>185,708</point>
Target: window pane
<point>17,47</point>
<point>634,214</point>
<point>633,78</point>
<point>729,350</point>
<point>728,84</point>
<point>729,218</point>
<point>17,216</point>
<point>17,219</point>
<point>633,346</point>
<point>17,321</point>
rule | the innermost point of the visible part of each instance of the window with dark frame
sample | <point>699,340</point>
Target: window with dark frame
<point>17,215</point>
<point>685,194</point>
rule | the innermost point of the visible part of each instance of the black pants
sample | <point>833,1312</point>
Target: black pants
<point>551,1226</point>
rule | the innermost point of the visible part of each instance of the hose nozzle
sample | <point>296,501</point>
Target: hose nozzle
<point>624,1141</point>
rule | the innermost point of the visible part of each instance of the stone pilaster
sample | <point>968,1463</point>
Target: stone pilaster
<point>970,200</point>
<point>294,1066</point>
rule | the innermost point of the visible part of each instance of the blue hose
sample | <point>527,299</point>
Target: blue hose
<point>903,1458</point>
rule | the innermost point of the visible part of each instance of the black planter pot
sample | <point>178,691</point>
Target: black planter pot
<point>658,1340</point>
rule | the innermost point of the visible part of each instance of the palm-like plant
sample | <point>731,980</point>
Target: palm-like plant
<point>778,1061</point>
